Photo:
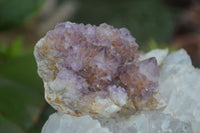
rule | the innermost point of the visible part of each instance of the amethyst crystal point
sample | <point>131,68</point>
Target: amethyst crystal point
<point>93,69</point>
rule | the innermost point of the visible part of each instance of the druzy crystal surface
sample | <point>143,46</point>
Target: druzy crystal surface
<point>178,109</point>
<point>94,70</point>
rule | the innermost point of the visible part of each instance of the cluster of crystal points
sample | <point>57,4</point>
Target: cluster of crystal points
<point>94,70</point>
<point>178,109</point>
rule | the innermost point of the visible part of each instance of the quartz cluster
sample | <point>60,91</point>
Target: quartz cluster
<point>95,70</point>
<point>96,73</point>
<point>177,110</point>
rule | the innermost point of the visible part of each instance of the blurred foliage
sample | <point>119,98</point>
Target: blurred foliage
<point>21,90</point>
<point>8,127</point>
<point>15,12</point>
<point>14,49</point>
<point>144,18</point>
<point>152,44</point>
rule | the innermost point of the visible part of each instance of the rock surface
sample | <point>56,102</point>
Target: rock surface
<point>94,70</point>
<point>177,110</point>
<point>62,123</point>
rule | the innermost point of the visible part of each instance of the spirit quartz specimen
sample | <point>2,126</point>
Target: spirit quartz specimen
<point>94,70</point>
<point>97,73</point>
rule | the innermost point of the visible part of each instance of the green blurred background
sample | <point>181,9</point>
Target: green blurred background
<point>154,24</point>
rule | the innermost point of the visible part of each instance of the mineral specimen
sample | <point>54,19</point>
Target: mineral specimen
<point>94,70</point>
<point>178,97</point>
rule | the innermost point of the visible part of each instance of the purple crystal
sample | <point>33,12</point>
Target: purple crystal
<point>97,61</point>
